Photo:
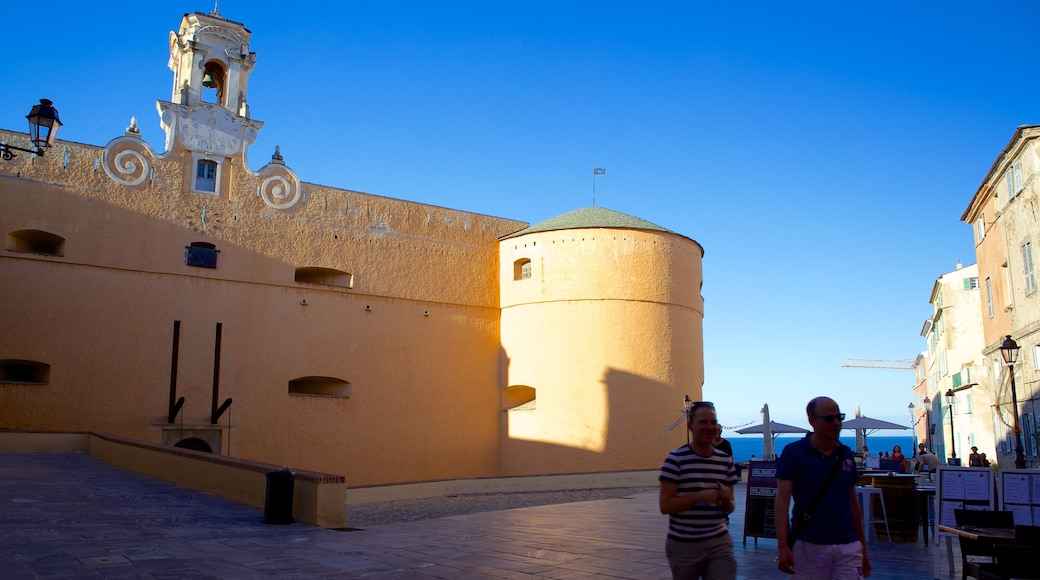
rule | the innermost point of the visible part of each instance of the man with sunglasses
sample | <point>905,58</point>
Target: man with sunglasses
<point>697,494</point>
<point>819,472</point>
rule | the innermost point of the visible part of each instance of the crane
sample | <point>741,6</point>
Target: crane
<point>892,365</point>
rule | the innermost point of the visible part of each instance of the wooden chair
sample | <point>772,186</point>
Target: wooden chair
<point>980,548</point>
<point>1013,561</point>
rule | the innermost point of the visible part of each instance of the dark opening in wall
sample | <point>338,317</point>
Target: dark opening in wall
<point>24,372</point>
<point>201,255</point>
<point>325,276</point>
<point>36,242</point>
<point>518,396</point>
<point>319,386</point>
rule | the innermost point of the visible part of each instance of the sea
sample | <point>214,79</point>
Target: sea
<point>745,447</point>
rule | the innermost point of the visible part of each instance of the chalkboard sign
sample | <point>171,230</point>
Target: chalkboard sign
<point>758,507</point>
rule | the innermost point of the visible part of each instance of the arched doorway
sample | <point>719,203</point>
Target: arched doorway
<point>194,444</point>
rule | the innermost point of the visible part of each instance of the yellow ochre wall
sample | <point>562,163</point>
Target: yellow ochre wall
<point>436,339</point>
<point>423,360</point>
<point>608,332</point>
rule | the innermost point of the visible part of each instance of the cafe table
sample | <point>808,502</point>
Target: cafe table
<point>995,535</point>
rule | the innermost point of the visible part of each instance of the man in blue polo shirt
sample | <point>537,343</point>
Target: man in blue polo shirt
<point>831,544</point>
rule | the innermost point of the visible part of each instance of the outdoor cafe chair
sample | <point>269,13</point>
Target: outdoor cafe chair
<point>980,547</point>
<point>1013,561</point>
<point>1027,535</point>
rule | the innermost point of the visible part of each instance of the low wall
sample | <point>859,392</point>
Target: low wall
<point>527,483</point>
<point>318,498</point>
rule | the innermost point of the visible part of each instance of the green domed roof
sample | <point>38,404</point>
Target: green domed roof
<point>589,217</point>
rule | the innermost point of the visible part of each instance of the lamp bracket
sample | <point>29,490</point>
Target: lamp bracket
<point>7,154</point>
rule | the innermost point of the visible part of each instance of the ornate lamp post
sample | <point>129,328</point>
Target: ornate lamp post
<point>43,129</point>
<point>1009,351</point>
<point>950,397</point>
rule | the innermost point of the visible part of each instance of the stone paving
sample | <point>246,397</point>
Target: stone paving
<point>74,516</point>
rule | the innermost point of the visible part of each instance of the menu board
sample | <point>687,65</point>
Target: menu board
<point>963,488</point>
<point>758,507</point>
<point>1020,495</point>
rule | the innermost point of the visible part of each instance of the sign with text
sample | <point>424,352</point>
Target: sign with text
<point>758,507</point>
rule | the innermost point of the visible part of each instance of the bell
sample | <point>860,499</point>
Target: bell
<point>208,82</point>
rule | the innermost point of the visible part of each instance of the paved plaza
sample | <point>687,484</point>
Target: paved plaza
<point>74,516</point>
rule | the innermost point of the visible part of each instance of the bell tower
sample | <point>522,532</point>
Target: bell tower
<point>207,117</point>
<point>211,62</point>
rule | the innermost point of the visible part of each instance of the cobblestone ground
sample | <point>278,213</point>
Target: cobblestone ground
<point>410,510</point>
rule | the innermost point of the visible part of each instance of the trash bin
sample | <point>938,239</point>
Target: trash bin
<point>279,499</point>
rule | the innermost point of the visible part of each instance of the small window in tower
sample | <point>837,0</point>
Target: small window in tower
<point>206,175</point>
<point>522,269</point>
<point>201,255</point>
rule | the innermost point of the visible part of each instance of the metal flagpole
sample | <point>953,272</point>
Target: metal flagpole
<point>596,171</point>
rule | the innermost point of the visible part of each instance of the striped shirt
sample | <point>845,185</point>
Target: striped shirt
<point>691,473</point>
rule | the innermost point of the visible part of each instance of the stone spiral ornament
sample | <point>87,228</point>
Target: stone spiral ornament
<point>279,192</point>
<point>125,163</point>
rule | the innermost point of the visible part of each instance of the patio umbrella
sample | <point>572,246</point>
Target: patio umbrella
<point>869,426</point>
<point>769,430</point>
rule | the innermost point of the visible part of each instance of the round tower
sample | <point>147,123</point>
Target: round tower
<point>601,340</point>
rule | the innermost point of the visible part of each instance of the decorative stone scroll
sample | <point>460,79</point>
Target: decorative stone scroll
<point>280,188</point>
<point>128,160</point>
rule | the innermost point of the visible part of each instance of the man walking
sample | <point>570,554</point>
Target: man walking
<point>819,472</point>
<point>697,494</point>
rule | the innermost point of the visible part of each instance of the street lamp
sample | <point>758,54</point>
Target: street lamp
<point>927,423</point>
<point>1009,350</point>
<point>913,425</point>
<point>686,403</point>
<point>43,130</point>
<point>953,437</point>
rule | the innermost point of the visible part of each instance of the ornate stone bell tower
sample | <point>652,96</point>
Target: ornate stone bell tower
<point>208,115</point>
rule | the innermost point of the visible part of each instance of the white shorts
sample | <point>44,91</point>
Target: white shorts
<point>823,561</point>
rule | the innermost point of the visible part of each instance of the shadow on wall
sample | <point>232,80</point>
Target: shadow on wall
<point>616,428</point>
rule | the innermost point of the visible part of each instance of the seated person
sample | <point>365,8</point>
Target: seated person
<point>897,455</point>
<point>927,462</point>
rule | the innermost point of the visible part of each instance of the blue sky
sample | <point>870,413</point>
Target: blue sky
<point>821,152</point>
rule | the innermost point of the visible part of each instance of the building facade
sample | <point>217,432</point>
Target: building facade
<point>1003,215</point>
<point>184,298</point>
<point>958,394</point>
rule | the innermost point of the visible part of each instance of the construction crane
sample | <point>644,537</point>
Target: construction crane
<point>892,365</point>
